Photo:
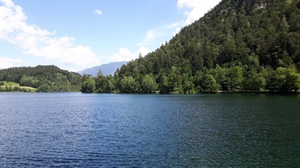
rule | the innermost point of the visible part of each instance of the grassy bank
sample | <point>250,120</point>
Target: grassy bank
<point>15,87</point>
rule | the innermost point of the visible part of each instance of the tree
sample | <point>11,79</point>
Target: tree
<point>27,81</point>
<point>104,84</point>
<point>148,84</point>
<point>220,76</point>
<point>254,81</point>
<point>175,79</point>
<point>286,80</point>
<point>128,85</point>
<point>188,87</point>
<point>43,88</point>
<point>234,78</point>
<point>100,82</point>
<point>209,84</point>
<point>100,73</point>
<point>197,81</point>
<point>164,85</point>
<point>88,86</point>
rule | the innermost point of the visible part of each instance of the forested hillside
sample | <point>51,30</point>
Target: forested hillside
<point>44,78</point>
<point>240,45</point>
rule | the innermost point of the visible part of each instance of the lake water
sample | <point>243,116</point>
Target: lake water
<point>120,130</point>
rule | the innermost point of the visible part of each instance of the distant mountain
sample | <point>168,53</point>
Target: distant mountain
<point>107,69</point>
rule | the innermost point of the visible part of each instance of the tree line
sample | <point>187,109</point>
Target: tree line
<point>45,78</point>
<point>230,78</point>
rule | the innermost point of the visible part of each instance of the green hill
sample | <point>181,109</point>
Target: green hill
<point>43,78</point>
<point>240,45</point>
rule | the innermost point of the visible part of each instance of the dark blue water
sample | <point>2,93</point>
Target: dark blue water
<point>108,130</point>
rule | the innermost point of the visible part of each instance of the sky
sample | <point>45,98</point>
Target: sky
<point>78,34</point>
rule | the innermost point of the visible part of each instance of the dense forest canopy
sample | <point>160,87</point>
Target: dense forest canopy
<point>240,45</point>
<point>44,78</point>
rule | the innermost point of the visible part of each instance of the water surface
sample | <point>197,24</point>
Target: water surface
<point>119,130</point>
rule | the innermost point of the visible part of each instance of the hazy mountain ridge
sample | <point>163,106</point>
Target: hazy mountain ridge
<point>107,69</point>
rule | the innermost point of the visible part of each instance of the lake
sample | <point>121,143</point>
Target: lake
<point>131,130</point>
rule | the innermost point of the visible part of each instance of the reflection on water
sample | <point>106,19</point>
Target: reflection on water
<point>86,130</point>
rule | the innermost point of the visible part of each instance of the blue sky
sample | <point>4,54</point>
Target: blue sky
<point>77,34</point>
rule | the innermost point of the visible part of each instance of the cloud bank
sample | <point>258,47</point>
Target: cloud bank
<point>197,8</point>
<point>40,42</point>
<point>6,62</point>
<point>126,55</point>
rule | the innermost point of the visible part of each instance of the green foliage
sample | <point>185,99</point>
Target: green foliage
<point>234,78</point>
<point>88,85</point>
<point>29,81</point>
<point>286,80</point>
<point>220,76</point>
<point>104,84</point>
<point>45,78</point>
<point>128,85</point>
<point>148,84</point>
<point>43,88</point>
<point>254,81</point>
<point>164,85</point>
<point>188,87</point>
<point>209,84</point>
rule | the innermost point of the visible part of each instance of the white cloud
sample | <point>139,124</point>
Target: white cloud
<point>61,49</point>
<point>198,8</point>
<point>150,35</point>
<point>144,50</point>
<point>99,12</point>
<point>6,62</point>
<point>125,55</point>
<point>38,42</point>
<point>177,30</point>
<point>155,33</point>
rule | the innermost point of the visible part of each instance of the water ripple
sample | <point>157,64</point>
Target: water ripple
<point>90,130</point>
